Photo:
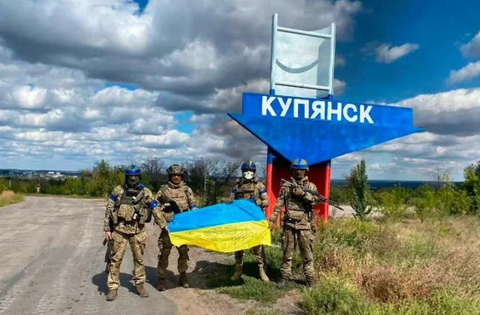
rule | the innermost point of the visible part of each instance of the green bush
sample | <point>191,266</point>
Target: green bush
<point>3,184</point>
<point>336,296</point>
<point>453,201</point>
<point>424,202</point>
<point>360,198</point>
<point>472,185</point>
<point>393,203</point>
<point>340,194</point>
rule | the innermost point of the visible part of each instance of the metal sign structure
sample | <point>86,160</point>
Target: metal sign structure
<point>300,119</point>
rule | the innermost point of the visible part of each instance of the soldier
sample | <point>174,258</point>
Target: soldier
<point>250,187</point>
<point>174,197</point>
<point>298,222</point>
<point>129,207</point>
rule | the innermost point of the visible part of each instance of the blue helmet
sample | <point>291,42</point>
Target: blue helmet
<point>133,170</point>
<point>299,164</point>
<point>249,166</point>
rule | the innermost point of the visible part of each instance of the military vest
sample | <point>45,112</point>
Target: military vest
<point>246,190</point>
<point>179,195</point>
<point>130,206</point>
<point>296,209</point>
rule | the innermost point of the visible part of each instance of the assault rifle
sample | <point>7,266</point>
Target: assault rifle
<point>108,254</point>
<point>171,206</point>
<point>317,194</point>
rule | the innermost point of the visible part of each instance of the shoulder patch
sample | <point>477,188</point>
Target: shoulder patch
<point>153,204</point>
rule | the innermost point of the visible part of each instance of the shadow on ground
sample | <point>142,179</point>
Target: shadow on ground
<point>100,279</point>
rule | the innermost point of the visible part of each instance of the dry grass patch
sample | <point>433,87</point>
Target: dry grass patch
<point>404,265</point>
<point>394,284</point>
<point>8,197</point>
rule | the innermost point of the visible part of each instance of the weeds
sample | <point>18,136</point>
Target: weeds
<point>8,197</point>
<point>370,268</point>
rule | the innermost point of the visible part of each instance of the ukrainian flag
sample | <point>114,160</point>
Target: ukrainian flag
<point>222,227</point>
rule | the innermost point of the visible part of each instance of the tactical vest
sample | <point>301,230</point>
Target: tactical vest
<point>246,191</point>
<point>130,207</point>
<point>295,207</point>
<point>180,196</point>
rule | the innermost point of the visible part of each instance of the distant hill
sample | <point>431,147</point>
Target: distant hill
<point>381,184</point>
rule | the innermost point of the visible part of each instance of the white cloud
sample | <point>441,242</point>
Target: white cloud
<point>387,54</point>
<point>340,61</point>
<point>174,46</point>
<point>467,73</point>
<point>472,48</point>
<point>339,87</point>
<point>452,139</point>
<point>56,111</point>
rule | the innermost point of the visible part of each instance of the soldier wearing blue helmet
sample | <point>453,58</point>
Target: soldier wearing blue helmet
<point>129,207</point>
<point>297,221</point>
<point>250,187</point>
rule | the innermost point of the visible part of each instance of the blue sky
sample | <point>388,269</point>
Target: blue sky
<point>131,90</point>
<point>436,26</point>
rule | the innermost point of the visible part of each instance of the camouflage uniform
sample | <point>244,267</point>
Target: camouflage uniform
<point>183,196</point>
<point>129,227</point>
<point>251,189</point>
<point>298,226</point>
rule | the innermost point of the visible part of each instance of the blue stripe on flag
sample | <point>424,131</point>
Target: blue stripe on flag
<point>238,211</point>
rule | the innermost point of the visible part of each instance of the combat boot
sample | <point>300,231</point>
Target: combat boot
<point>238,272</point>
<point>162,284</point>
<point>263,275</point>
<point>141,290</point>
<point>112,295</point>
<point>184,280</point>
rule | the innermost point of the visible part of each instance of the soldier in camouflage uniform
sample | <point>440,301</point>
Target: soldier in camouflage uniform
<point>250,187</point>
<point>182,195</point>
<point>129,207</point>
<point>298,221</point>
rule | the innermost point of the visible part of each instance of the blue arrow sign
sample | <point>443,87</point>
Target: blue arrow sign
<point>319,129</point>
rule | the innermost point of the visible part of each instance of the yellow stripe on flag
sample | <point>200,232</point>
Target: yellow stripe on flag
<point>225,238</point>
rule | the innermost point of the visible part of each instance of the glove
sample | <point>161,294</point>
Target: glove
<point>298,191</point>
<point>168,216</point>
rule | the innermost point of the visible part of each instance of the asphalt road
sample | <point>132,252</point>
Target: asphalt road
<point>51,262</point>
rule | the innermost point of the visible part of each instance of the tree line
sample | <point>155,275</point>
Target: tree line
<point>441,198</point>
<point>212,180</point>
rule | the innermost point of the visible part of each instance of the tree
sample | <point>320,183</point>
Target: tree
<point>155,170</point>
<point>440,174</point>
<point>211,178</point>
<point>472,184</point>
<point>360,199</point>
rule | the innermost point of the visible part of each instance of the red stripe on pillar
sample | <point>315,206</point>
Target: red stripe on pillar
<point>320,176</point>
<point>270,193</point>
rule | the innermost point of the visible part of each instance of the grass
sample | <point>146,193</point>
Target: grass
<point>400,268</point>
<point>8,197</point>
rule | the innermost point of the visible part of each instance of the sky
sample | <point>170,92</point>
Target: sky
<point>127,81</point>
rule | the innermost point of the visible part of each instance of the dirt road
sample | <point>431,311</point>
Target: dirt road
<point>51,262</point>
